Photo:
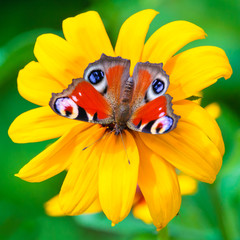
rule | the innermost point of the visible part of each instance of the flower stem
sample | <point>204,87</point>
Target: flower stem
<point>163,234</point>
<point>219,211</point>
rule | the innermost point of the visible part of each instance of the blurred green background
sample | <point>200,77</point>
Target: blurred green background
<point>212,213</point>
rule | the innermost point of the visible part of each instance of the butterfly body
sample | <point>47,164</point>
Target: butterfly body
<point>123,111</point>
<point>108,95</point>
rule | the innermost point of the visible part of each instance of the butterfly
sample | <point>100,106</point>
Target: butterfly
<point>108,95</point>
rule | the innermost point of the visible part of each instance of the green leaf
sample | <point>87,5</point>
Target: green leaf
<point>193,98</point>
<point>128,226</point>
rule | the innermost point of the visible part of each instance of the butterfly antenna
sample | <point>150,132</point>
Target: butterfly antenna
<point>124,147</point>
<point>105,134</point>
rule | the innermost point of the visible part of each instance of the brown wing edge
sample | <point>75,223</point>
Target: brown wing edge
<point>104,58</point>
<point>170,112</point>
<point>65,93</point>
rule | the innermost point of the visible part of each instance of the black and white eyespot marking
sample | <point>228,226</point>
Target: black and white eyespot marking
<point>158,126</point>
<point>96,75</point>
<point>157,88</point>
<point>66,107</point>
<point>162,125</point>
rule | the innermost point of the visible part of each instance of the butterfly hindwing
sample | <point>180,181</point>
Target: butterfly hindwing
<point>81,101</point>
<point>155,117</point>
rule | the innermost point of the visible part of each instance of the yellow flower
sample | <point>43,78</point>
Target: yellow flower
<point>101,174</point>
<point>187,184</point>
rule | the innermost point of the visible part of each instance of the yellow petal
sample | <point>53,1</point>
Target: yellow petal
<point>196,69</point>
<point>95,207</point>
<point>80,187</point>
<point>53,209</point>
<point>87,34</point>
<point>214,110</point>
<point>141,211</point>
<point>132,35</point>
<point>188,149</point>
<point>59,58</point>
<point>188,185</point>
<point>159,185</point>
<point>168,39</point>
<point>57,157</point>
<point>36,85</point>
<point>194,114</point>
<point>118,172</point>
<point>39,124</point>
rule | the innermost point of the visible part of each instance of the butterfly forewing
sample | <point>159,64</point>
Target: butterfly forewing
<point>144,75</point>
<point>115,71</point>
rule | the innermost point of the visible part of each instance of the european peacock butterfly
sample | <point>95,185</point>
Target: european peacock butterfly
<point>109,96</point>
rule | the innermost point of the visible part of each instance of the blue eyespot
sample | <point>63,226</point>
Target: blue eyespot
<point>96,76</point>
<point>157,86</point>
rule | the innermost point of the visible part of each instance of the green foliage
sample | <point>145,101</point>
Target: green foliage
<point>212,213</point>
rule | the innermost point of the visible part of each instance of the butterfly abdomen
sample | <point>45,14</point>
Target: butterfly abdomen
<point>123,112</point>
<point>127,92</point>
